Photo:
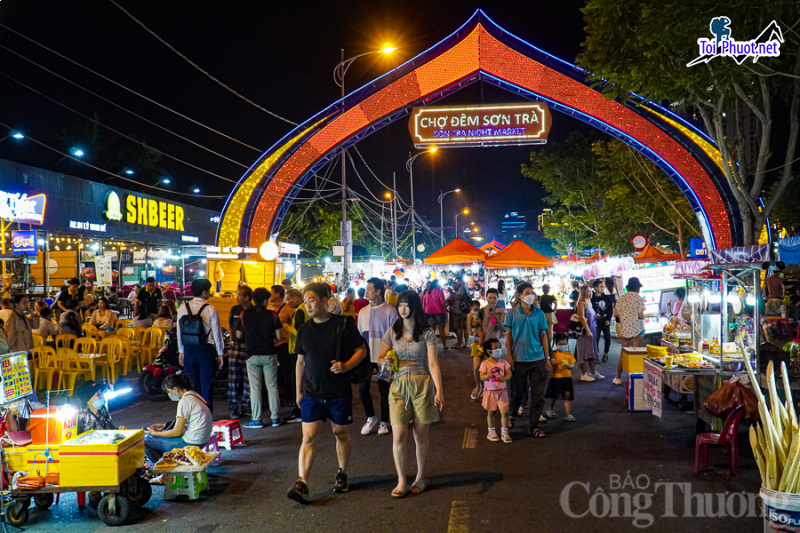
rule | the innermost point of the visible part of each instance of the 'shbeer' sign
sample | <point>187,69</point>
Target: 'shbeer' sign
<point>480,125</point>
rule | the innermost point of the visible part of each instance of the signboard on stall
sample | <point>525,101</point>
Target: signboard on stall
<point>654,278</point>
<point>15,378</point>
<point>23,242</point>
<point>652,387</point>
<point>480,125</point>
<point>19,207</point>
<point>139,257</point>
<point>289,248</point>
<point>102,268</point>
<point>697,249</point>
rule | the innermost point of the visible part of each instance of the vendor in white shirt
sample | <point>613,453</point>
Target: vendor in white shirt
<point>200,363</point>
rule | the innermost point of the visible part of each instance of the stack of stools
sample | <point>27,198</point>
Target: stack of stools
<point>229,433</point>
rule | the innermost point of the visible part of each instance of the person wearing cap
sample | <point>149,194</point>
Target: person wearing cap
<point>630,314</point>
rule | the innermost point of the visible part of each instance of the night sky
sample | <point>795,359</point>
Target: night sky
<point>280,55</point>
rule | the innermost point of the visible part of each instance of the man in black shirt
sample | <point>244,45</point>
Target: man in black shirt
<point>149,297</point>
<point>548,304</point>
<point>262,328</point>
<point>323,386</point>
<point>601,303</point>
<point>73,292</point>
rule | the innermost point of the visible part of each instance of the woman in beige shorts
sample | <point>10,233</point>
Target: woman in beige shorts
<point>416,392</point>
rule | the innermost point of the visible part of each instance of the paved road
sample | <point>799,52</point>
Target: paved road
<point>476,485</point>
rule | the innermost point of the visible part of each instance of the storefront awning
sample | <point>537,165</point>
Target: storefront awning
<point>454,252</point>
<point>651,254</point>
<point>518,255</point>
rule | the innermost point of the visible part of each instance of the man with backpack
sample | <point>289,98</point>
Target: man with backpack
<point>200,341</point>
<point>328,348</point>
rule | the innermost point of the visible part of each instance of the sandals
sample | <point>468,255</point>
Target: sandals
<point>418,488</point>
<point>537,434</point>
<point>397,493</point>
<point>476,393</point>
<point>605,357</point>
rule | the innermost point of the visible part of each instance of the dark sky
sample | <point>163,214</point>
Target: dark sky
<point>280,55</point>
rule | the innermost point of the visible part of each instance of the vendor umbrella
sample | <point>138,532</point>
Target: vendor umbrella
<point>518,255</point>
<point>454,252</point>
<point>651,254</point>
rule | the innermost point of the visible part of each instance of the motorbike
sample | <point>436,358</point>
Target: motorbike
<point>167,362</point>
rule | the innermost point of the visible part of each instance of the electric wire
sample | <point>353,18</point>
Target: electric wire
<point>195,65</point>
<point>130,90</point>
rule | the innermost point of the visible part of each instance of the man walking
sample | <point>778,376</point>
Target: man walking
<point>373,321</point>
<point>601,303</point>
<point>262,329</point>
<point>277,303</point>
<point>201,355</point>
<point>630,314</point>
<point>529,355</point>
<point>294,298</point>
<point>238,384</point>
<point>328,347</point>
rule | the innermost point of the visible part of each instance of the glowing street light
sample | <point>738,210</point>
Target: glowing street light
<point>442,194</point>
<point>166,181</point>
<point>77,152</point>
<point>465,211</point>
<point>17,135</point>
<point>410,169</point>
<point>129,172</point>
<point>196,190</point>
<point>388,49</point>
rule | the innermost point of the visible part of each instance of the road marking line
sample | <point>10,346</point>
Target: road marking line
<point>459,518</point>
<point>470,438</point>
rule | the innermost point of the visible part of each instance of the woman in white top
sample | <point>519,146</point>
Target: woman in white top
<point>164,319</point>
<point>103,317</point>
<point>142,320</point>
<point>502,295</point>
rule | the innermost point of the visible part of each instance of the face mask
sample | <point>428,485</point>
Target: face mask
<point>174,397</point>
<point>529,299</point>
<point>496,353</point>
<point>475,312</point>
<point>98,404</point>
<point>562,347</point>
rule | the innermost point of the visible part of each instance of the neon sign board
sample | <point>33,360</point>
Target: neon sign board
<point>22,208</point>
<point>480,125</point>
<point>23,242</point>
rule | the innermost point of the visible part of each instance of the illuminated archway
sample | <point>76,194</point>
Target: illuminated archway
<point>480,50</point>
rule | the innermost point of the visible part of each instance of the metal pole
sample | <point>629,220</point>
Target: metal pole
<point>456,223</point>
<point>345,273</point>
<point>394,215</point>
<point>413,225</point>
<point>441,217</point>
<point>757,329</point>
<point>383,215</point>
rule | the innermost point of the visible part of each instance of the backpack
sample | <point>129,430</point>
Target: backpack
<point>193,334</point>
<point>363,370</point>
<point>465,305</point>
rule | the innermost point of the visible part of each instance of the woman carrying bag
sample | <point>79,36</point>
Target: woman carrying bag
<point>584,323</point>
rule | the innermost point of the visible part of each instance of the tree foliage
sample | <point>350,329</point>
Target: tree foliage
<point>316,228</point>
<point>604,192</point>
<point>644,47</point>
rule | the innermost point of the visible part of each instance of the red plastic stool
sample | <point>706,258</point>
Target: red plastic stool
<point>727,438</point>
<point>780,323</point>
<point>228,433</point>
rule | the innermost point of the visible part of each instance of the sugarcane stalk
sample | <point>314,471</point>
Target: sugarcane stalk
<point>757,453</point>
<point>790,468</point>
<point>789,398</point>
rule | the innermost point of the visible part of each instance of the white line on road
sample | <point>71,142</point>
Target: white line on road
<point>470,438</point>
<point>459,517</point>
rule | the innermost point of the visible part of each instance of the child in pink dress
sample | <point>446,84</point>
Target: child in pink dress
<point>495,372</point>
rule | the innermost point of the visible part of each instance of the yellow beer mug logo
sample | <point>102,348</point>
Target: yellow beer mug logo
<point>113,207</point>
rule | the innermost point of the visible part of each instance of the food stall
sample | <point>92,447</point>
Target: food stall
<point>519,260</point>
<point>455,256</point>
<point>656,272</point>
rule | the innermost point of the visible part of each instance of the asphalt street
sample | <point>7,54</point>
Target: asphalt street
<point>612,470</point>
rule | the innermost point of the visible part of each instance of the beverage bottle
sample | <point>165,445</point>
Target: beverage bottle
<point>386,373</point>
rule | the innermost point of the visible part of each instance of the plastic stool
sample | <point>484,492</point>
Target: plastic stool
<point>229,433</point>
<point>212,445</point>
<point>780,323</point>
<point>191,484</point>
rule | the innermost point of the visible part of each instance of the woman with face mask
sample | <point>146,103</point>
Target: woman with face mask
<point>416,392</point>
<point>192,426</point>
<point>93,413</point>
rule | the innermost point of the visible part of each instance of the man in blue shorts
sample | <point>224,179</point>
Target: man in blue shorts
<point>323,387</point>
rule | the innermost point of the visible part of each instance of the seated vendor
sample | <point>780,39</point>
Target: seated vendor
<point>93,413</point>
<point>192,426</point>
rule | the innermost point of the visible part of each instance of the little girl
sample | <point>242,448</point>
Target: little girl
<point>495,371</point>
<point>560,386</point>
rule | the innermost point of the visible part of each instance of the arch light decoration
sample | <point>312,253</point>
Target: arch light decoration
<point>480,50</point>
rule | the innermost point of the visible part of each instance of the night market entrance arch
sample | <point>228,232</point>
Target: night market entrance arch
<point>480,50</point>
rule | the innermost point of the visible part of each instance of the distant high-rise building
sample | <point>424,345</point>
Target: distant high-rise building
<point>512,222</point>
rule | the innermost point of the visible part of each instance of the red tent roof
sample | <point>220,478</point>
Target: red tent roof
<point>651,254</point>
<point>518,255</point>
<point>594,257</point>
<point>456,251</point>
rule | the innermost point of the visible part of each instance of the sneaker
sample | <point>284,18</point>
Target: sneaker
<point>276,422</point>
<point>254,424</point>
<point>292,418</point>
<point>598,375</point>
<point>340,482</point>
<point>234,414</point>
<point>299,492</point>
<point>616,381</point>
<point>542,420</point>
<point>587,377</point>
<point>550,413</point>
<point>505,437</point>
<point>520,412</point>
<point>384,429</point>
<point>370,426</point>
<point>492,436</point>
<point>569,418</point>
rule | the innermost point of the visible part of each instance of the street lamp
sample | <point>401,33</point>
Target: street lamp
<point>14,135</point>
<point>392,216</point>
<point>442,194</point>
<point>410,169</point>
<point>338,77</point>
<point>74,152</point>
<point>465,211</point>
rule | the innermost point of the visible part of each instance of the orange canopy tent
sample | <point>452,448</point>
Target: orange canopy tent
<point>651,254</point>
<point>594,257</point>
<point>518,255</point>
<point>492,247</point>
<point>454,252</point>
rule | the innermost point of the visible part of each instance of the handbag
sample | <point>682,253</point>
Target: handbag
<point>575,325</point>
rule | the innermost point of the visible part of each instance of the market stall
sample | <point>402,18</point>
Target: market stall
<point>458,258</point>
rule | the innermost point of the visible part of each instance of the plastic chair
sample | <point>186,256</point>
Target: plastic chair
<point>123,323</point>
<point>37,340</point>
<point>111,356</point>
<point>728,438</point>
<point>46,364</point>
<point>69,368</point>
<point>65,340</point>
<point>85,345</point>
<point>151,344</point>
<point>129,353</point>
<point>90,330</point>
<point>139,332</point>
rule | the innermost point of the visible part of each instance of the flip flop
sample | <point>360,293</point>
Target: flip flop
<point>418,489</point>
<point>400,493</point>
<point>537,434</point>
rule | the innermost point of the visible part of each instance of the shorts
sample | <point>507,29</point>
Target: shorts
<point>437,319</point>
<point>551,318</point>
<point>413,397</point>
<point>560,389</point>
<point>459,320</point>
<point>338,409</point>
<point>494,399</point>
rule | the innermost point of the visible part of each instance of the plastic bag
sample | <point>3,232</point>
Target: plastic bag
<point>724,401</point>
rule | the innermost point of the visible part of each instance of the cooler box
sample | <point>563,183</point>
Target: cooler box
<point>635,394</point>
<point>633,359</point>
<point>22,459</point>
<point>101,458</point>
<point>55,426</point>
<point>15,458</point>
